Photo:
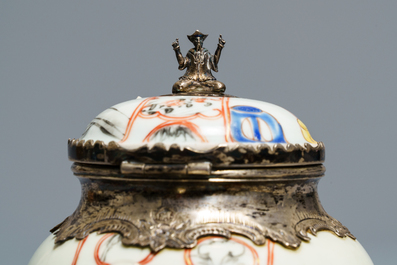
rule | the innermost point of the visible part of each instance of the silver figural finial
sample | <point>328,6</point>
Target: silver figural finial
<point>199,63</point>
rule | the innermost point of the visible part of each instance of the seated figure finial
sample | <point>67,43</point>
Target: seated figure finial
<point>199,63</point>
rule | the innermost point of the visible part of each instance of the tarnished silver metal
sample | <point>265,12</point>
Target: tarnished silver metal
<point>135,168</point>
<point>128,167</point>
<point>173,211</point>
<point>199,168</point>
<point>221,156</point>
<point>198,64</point>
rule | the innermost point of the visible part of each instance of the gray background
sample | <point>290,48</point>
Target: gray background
<point>331,63</point>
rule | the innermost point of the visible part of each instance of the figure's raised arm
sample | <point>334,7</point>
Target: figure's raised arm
<point>178,54</point>
<point>218,51</point>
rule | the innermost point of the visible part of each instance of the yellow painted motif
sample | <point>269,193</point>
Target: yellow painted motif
<point>306,133</point>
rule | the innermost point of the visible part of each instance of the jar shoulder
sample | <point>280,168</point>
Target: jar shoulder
<point>325,249</point>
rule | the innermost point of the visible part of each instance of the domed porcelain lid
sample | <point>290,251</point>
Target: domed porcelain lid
<point>198,122</point>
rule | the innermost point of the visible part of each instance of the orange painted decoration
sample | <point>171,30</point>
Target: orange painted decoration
<point>78,250</point>
<point>270,252</point>
<point>186,256</point>
<point>145,103</point>
<point>133,118</point>
<point>226,119</point>
<point>190,117</point>
<point>97,248</point>
<point>147,259</point>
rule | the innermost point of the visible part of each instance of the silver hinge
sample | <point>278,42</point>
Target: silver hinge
<point>196,168</point>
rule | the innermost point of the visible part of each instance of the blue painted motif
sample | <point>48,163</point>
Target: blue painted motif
<point>240,113</point>
<point>247,109</point>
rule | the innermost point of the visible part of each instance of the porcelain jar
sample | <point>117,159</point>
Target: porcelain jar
<point>198,177</point>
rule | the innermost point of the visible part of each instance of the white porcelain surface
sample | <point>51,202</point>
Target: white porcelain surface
<point>199,122</point>
<point>106,249</point>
